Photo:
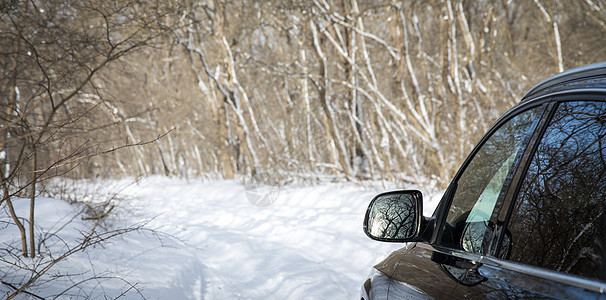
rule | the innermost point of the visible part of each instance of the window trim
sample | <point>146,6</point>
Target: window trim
<point>592,285</point>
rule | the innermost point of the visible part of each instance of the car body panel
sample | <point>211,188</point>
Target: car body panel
<point>413,266</point>
<point>421,271</point>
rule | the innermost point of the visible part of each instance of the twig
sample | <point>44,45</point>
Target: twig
<point>25,292</point>
<point>79,158</point>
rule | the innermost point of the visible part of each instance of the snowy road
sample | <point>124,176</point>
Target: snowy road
<point>307,244</point>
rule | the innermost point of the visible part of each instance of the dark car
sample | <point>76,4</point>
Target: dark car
<point>524,217</point>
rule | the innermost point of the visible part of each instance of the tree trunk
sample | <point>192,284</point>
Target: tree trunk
<point>32,203</point>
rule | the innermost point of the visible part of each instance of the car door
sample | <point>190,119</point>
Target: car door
<point>555,239</point>
<point>468,211</point>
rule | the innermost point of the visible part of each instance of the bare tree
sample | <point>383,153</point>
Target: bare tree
<point>354,89</point>
<point>55,105</point>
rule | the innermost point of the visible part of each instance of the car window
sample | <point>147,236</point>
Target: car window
<point>558,221</point>
<point>468,225</point>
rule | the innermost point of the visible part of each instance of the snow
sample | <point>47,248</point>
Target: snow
<point>211,240</point>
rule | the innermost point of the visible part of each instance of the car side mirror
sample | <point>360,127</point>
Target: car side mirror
<point>394,216</point>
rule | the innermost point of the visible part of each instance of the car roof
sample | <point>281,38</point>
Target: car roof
<point>587,77</point>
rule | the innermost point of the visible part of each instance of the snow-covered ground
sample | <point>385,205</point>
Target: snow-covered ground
<point>215,240</point>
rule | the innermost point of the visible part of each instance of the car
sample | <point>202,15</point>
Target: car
<point>524,217</point>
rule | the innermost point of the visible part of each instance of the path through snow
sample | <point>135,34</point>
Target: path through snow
<point>307,244</point>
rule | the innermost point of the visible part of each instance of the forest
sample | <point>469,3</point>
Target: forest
<point>277,91</point>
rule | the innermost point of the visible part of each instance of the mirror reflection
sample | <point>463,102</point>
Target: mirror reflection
<point>394,215</point>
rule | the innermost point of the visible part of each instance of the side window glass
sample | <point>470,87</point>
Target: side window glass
<point>467,225</point>
<point>558,221</point>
